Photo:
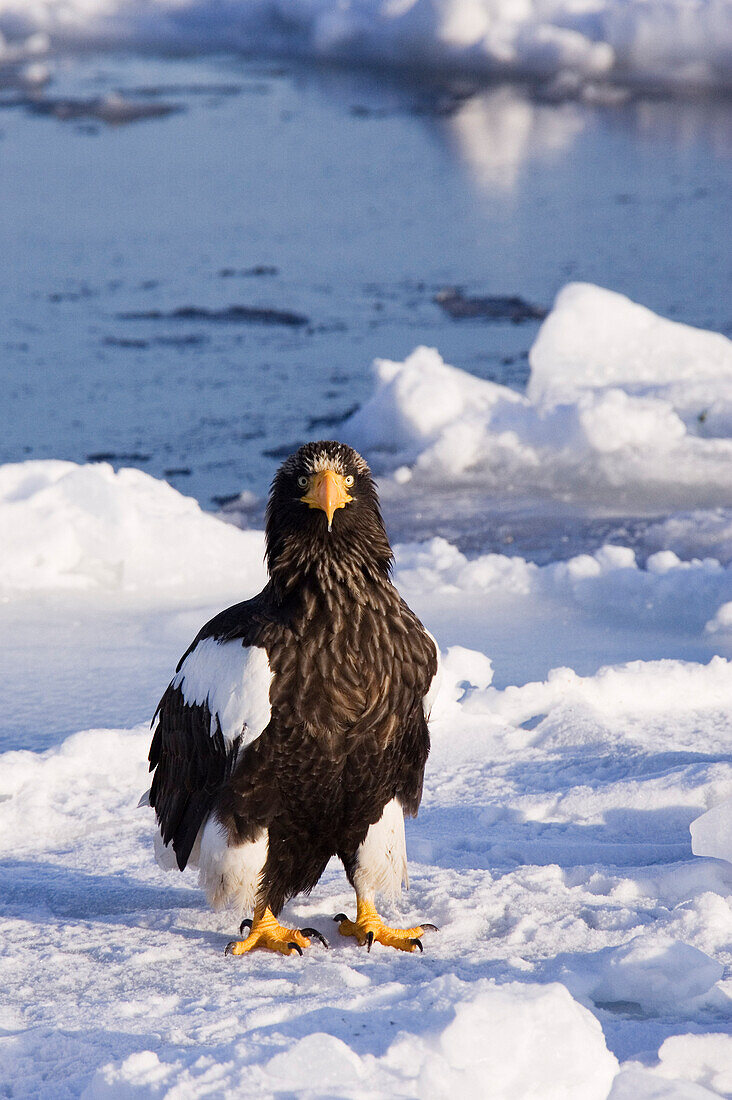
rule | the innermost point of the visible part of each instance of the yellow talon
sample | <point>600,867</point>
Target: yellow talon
<point>369,927</point>
<point>269,934</point>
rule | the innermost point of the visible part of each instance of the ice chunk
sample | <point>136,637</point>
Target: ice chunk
<point>711,834</point>
<point>722,621</point>
<point>700,534</point>
<point>321,1060</point>
<point>416,401</point>
<point>704,1059</point>
<point>520,1042</point>
<point>468,666</point>
<point>140,1075</point>
<point>641,1084</point>
<point>656,972</point>
<point>86,527</point>
<point>621,405</point>
<point>598,339</point>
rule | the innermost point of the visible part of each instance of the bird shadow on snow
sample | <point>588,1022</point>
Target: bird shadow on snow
<point>41,889</point>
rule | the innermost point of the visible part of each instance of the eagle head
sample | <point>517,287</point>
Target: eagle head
<point>323,512</point>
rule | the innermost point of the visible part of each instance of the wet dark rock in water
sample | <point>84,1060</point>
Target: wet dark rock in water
<point>117,456</point>
<point>75,295</point>
<point>360,110</point>
<point>227,498</point>
<point>229,315</point>
<point>113,109</point>
<point>499,307</point>
<point>330,421</point>
<point>283,451</point>
<point>187,340</point>
<point>156,91</point>
<point>121,342</point>
<point>247,272</point>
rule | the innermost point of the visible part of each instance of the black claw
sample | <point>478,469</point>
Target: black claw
<point>315,934</point>
<point>296,946</point>
<point>429,928</point>
<point>246,923</point>
<point>340,916</point>
<point>229,949</point>
<point>417,943</point>
<point>369,940</point>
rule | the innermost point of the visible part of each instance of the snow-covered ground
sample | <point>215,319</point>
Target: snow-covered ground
<point>583,726</point>
<point>678,43</point>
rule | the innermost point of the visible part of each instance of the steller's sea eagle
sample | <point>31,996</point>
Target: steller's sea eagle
<point>295,727</point>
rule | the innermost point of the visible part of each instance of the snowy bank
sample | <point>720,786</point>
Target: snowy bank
<point>609,583</point>
<point>674,43</point>
<point>88,528</point>
<point>622,407</point>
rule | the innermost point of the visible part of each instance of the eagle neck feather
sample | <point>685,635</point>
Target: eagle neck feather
<point>329,565</point>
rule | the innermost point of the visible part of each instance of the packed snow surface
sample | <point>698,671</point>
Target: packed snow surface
<point>667,42</point>
<point>573,844</point>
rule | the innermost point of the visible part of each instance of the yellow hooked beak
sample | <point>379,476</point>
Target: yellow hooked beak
<point>327,491</point>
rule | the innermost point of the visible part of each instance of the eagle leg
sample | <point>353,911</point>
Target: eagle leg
<point>369,927</point>
<point>266,932</point>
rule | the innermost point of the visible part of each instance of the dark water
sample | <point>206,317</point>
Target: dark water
<point>341,198</point>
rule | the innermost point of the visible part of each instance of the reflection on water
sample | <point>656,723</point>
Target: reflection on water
<point>686,124</point>
<point>496,131</point>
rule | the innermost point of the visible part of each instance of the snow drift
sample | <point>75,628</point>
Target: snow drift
<point>622,407</point>
<point>658,42</point>
<point>87,527</point>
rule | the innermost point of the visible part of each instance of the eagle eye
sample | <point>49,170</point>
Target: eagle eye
<point>349,480</point>
<point>302,481</point>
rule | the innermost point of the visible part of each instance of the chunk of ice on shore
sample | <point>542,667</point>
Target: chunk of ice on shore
<point>597,339</point>
<point>642,1084</point>
<point>704,1059</point>
<point>657,973</point>
<point>87,527</point>
<point>519,1042</point>
<point>711,834</point>
<point>622,405</point>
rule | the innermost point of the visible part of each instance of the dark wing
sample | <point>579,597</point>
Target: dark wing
<point>419,671</point>
<point>196,739</point>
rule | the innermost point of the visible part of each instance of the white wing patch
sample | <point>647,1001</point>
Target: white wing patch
<point>381,859</point>
<point>429,699</point>
<point>234,680</point>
